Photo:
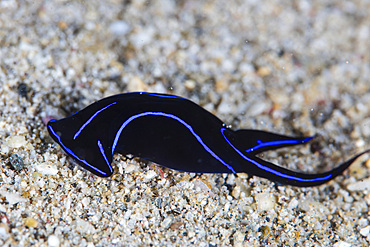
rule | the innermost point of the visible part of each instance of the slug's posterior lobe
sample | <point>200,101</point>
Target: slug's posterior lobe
<point>176,133</point>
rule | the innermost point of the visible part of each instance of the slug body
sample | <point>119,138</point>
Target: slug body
<point>175,133</point>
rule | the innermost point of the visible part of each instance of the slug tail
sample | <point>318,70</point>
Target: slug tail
<point>256,141</point>
<point>287,177</point>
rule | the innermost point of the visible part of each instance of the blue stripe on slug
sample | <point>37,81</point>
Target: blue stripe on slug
<point>90,119</point>
<point>69,151</point>
<point>270,170</point>
<point>119,132</point>
<point>277,143</point>
<point>162,95</point>
<point>103,154</point>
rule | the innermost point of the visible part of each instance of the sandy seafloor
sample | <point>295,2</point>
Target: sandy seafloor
<point>296,68</point>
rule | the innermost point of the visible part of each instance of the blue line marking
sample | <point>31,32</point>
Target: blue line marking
<point>90,119</point>
<point>175,118</point>
<point>163,96</point>
<point>105,157</point>
<point>270,170</point>
<point>276,143</point>
<point>71,153</point>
